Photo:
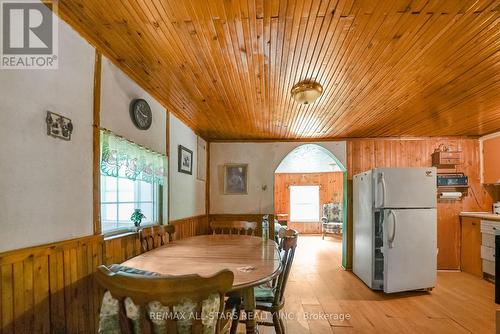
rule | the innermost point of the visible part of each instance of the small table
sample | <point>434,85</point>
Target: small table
<point>252,261</point>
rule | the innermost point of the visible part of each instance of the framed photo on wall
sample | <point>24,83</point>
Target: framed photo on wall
<point>185,160</point>
<point>235,179</point>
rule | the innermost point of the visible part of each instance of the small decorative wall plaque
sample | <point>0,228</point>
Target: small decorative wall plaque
<point>58,126</point>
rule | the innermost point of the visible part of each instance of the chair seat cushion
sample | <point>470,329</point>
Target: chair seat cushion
<point>332,227</point>
<point>263,294</point>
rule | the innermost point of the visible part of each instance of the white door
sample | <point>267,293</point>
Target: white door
<point>405,187</point>
<point>410,249</point>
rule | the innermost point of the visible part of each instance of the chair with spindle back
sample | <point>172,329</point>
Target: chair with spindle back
<point>163,231</point>
<point>229,227</point>
<point>147,237</point>
<point>138,301</point>
<point>271,298</point>
<point>153,237</point>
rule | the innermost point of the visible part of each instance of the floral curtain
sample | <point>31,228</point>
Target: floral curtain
<point>125,158</point>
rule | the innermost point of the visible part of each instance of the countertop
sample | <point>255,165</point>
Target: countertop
<point>481,215</point>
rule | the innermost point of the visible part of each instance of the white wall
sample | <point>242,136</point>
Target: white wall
<point>46,183</point>
<point>187,194</point>
<point>262,160</point>
<point>117,91</point>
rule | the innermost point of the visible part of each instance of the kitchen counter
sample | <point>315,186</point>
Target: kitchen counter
<point>481,215</point>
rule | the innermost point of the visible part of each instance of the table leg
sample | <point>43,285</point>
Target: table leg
<point>249,302</point>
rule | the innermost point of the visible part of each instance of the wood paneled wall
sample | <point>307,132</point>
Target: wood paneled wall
<point>331,190</point>
<point>50,288</point>
<point>370,153</point>
<point>188,227</point>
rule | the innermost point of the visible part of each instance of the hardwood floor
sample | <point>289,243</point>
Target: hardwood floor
<point>460,303</point>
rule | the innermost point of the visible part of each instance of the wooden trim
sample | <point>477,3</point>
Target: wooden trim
<point>96,145</point>
<point>167,152</point>
<point>21,254</point>
<point>333,139</point>
<point>207,180</point>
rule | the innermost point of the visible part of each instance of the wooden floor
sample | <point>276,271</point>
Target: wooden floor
<point>460,303</point>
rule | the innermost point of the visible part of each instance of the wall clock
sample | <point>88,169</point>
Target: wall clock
<point>141,115</point>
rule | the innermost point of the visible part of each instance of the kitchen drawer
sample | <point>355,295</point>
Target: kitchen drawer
<point>488,253</point>
<point>488,240</point>
<point>489,267</point>
<point>489,226</point>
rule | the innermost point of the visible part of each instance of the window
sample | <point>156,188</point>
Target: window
<point>120,196</point>
<point>132,177</point>
<point>304,203</point>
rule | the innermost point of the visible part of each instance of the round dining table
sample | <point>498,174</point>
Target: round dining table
<point>253,261</point>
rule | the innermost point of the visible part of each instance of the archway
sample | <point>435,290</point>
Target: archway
<point>311,164</point>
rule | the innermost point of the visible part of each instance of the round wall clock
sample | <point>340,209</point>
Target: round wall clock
<point>141,115</point>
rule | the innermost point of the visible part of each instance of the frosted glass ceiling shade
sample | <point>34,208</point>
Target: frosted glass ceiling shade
<point>308,158</point>
<point>306,92</point>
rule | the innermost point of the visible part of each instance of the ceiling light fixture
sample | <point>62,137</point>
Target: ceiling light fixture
<point>306,92</point>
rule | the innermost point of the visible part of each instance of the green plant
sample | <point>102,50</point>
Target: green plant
<point>137,217</point>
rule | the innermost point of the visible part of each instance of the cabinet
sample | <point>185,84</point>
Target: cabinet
<point>470,247</point>
<point>446,158</point>
<point>491,159</point>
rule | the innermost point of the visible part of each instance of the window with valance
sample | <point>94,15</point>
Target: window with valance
<point>132,177</point>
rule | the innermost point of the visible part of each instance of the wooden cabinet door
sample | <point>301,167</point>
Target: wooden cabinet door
<point>491,160</point>
<point>470,250</point>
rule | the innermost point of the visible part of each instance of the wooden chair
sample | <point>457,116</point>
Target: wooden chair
<point>153,237</point>
<point>165,234</point>
<point>228,227</point>
<point>136,299</point>
<point>272,298</point>
<point>147,237</point>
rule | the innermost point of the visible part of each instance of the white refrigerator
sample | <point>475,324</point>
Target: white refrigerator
<point>395,228</point>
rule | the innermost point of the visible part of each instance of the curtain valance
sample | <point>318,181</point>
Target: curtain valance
<point>121,157</point>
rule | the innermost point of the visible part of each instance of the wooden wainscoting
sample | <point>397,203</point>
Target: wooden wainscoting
<point>331,190</point>
<point>191,226</point>
<point>50,288</point>
<point>366,154</point>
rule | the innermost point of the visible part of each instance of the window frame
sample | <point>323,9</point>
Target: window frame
<point>319,203</point>
<point>157,197</point>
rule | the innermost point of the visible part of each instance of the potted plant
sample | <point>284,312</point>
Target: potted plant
<point>137,218</point>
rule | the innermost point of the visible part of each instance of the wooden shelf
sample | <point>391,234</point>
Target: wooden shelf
<point>446,159</point>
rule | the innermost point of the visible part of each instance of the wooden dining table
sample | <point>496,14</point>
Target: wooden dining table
<point>253,261</point>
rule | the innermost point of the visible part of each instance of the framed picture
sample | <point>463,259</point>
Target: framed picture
<point>235,179</point>
<point>185,159</point>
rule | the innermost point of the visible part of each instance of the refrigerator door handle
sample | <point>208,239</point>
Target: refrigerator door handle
<point>382,182</point>
<point>390,240</point>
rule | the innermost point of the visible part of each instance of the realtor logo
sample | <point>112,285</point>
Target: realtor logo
<point>29,35</point>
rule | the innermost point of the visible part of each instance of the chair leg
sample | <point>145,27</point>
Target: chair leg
<point>277,324</point>
<point>235,320</point>
<point>282,325</point>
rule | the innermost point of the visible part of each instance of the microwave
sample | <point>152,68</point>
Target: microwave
<point>452,180</point>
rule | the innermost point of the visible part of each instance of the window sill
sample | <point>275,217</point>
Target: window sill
<point>123,233</point>
<point>118,235</point>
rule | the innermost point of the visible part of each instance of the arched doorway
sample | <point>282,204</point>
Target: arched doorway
<point>309,177</point>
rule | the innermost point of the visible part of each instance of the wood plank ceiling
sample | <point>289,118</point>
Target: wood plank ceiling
<point>388,68</point>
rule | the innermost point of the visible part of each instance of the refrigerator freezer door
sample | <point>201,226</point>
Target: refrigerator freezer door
<point>405,187</point>
<point>363,248</point>
<point>410,249</point>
